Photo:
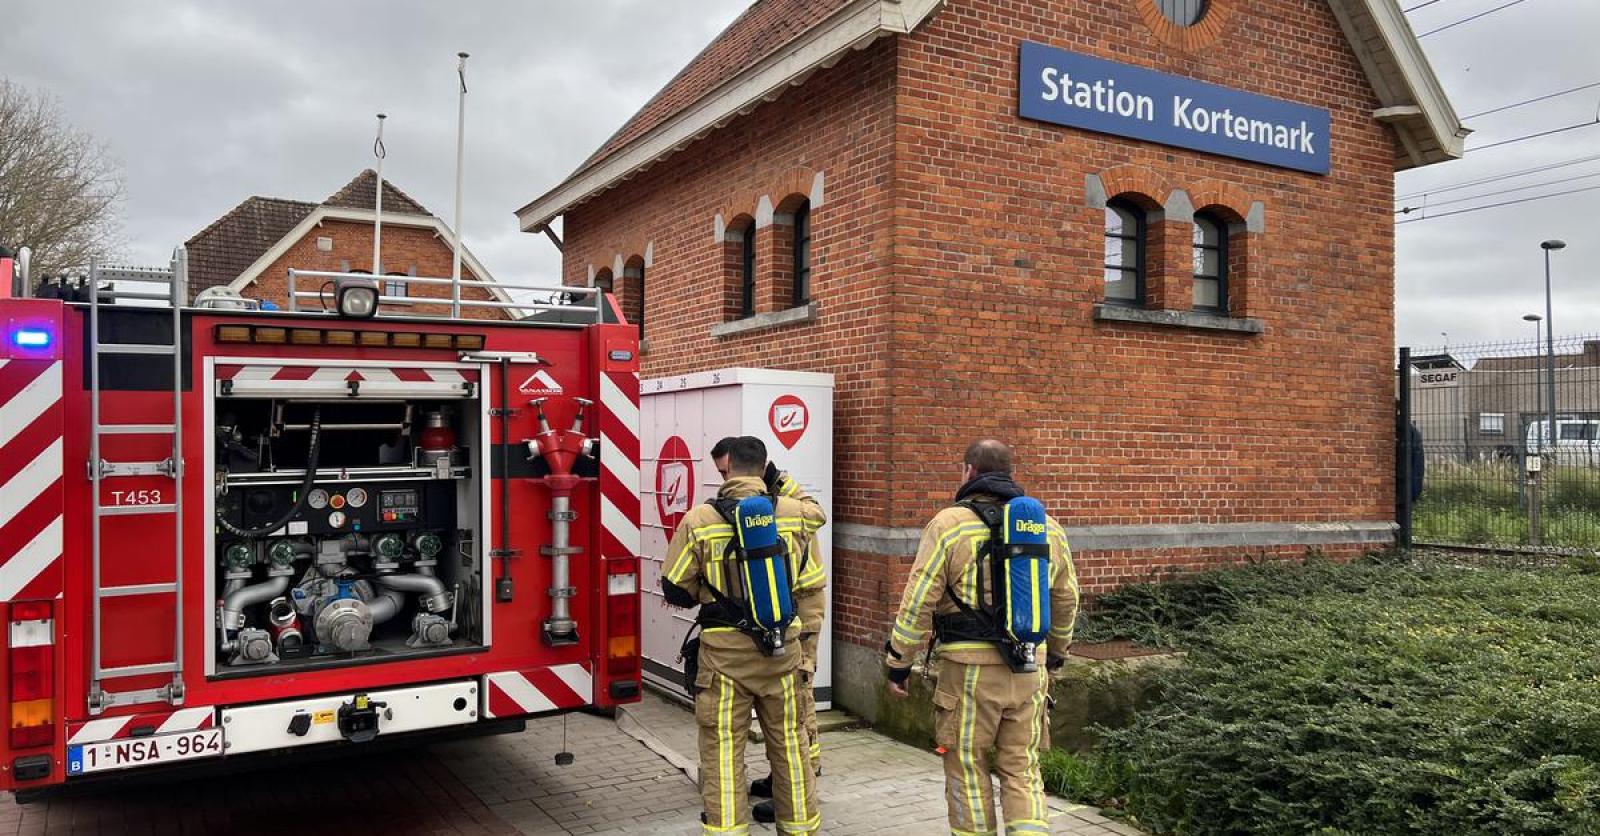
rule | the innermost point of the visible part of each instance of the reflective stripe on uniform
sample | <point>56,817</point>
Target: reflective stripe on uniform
<point>905,627</point>
<point>965,745</point>
<point>725,768</point>
<point>730,830</point>
<point>789,727</point>
<point>955,832</point>
<point>1027,826</point>
<point>1035,778</point>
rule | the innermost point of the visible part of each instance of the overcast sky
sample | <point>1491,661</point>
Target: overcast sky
<point>206,103</point>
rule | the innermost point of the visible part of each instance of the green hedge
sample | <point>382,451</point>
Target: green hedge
<point>1369,699</point>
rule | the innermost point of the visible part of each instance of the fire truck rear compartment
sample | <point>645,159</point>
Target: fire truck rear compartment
<point>344,532</point>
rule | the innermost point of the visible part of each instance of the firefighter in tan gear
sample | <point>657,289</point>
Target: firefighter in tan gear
<point>990,609</point>
<point>743,661</point>
<point>780,483</point>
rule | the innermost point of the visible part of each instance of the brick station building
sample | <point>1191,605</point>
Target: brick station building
<point>1149,242</point>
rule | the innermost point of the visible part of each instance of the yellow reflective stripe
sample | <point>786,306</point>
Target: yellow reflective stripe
<point>719,630</point>
<point>732,830</point>
<point>966,646</point>
<point>969,579</point>
<point>1035,779</point>
<point>791,744</point>
<point>965,744</point>
<point>955,832</point>
<point>908,619</point>
<point>1033,568</point>
<point>726,774</point>
<point>1027,826</point>
<point>808,826</point>
<point>907,636</point>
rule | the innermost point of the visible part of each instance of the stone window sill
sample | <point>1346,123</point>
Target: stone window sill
<point>1178,319</point>
<point>765,321</point>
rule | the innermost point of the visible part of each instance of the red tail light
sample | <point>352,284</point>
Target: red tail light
<point>31,658</point>
<point>622,616</point>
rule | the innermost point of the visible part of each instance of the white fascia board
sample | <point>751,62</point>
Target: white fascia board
<point>1412,84</point>
<point>855,26</point>
<point>329,213</point>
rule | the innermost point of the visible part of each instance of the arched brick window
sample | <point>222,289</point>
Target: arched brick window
<point>1126,232</point>
<point>1210,263</point>
<point>739,268</point>
<point>633,292</point>
<point>802,254</point>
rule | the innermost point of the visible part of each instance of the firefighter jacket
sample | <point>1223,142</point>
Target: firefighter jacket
<point>948,559</point>
<point>698,559</point>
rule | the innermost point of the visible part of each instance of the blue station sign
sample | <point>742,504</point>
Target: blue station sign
<point>1066,88</point>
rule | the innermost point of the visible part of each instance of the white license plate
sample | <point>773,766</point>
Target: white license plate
<point>143,751</point>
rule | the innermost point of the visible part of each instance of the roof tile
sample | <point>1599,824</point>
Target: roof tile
<point>760,31</point>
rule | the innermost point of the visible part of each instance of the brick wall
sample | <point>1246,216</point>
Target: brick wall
<point>958,262</point>
<point>406,249</point>
<point>840,124</point>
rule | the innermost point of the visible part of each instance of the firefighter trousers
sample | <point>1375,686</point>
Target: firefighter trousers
<point>808,700</point>
<point>977,707</point>
<point>722,711</point>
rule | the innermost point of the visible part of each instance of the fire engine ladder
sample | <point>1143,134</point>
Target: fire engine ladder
<point>100,470</point>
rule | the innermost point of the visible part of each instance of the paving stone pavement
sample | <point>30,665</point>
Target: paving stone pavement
<point>871,784</point>
<point>509,785</point>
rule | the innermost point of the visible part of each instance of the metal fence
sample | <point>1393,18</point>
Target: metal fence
<point>1493,473</point>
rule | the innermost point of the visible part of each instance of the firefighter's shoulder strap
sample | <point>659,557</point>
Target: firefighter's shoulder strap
<point>993,516</point>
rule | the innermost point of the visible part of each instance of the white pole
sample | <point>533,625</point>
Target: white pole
<point>461,133</point>
<point>377,211</point>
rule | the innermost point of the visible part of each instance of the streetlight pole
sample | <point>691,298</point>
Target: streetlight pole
<point>1531,476</point>
<point>1550,343</point>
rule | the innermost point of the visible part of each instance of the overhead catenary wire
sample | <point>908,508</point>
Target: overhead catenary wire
<point>1552,132</point>
<point>1471,18</point>
<point>1411,9</point>
<point>1406,210</point>
<point>1496,205</point>
<point>1536,99</point>
<point>1482,181</point>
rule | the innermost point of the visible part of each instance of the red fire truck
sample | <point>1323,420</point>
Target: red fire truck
<point>227,531</point>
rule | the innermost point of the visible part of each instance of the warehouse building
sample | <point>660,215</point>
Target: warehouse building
<point>1149,242</point>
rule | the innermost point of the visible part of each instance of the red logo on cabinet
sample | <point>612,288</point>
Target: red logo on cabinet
<point>674,482</point>
<point>788,417</point>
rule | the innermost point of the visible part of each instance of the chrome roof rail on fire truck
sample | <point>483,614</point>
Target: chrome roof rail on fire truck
<point>590,311</point>
<point>176,293</point>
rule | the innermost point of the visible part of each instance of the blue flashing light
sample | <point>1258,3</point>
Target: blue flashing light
<point>31,338</point>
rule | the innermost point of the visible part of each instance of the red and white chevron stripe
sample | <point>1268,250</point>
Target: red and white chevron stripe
<point>336,373</point>
<point>619,464</point>
<point>151,722</point>
<point>31,502</point>
<point>515,693</point>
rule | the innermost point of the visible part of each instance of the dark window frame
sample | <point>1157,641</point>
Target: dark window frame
<point>747,271</point>
<point>1221,249</point>
<point>395,288</point>
<point>1140,239</point>
<point>1184,13</point>
<point>802,254</point>
<point>640,280</point>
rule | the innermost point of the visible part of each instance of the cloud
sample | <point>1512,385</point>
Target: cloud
<point>208,102</point>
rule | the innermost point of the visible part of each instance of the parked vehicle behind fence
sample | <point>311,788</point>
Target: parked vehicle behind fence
<point>1577,441</point>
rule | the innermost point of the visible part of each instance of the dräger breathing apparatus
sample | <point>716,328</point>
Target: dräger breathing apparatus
<point>760,600</point>
<point>1015,616</point>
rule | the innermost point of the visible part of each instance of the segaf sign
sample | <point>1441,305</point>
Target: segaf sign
<point>1066,88</point>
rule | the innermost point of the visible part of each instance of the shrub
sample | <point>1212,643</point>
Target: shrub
<point>1370,699</point>
<point>1575,488</point>
<point>1086,777</point>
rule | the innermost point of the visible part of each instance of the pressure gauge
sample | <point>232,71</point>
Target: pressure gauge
<point>336,519</point>
<point>357,497</point>
<point>317,499</point>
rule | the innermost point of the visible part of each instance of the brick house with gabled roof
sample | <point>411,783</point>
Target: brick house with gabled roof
<point>1148,242</point>
<point>251,248</point>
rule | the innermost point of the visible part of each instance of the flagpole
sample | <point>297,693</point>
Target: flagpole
<point>461,132</point>
<point>377,210</point>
